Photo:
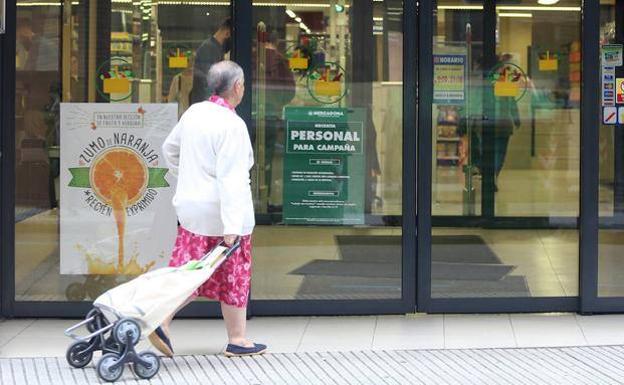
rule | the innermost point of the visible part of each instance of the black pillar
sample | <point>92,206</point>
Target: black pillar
<point>103,40</point>
<point>618,133</point>
<point>361,84</point>
<point>242,21</point>
<point>489,62</point>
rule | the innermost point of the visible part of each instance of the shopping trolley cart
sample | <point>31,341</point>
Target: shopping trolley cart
<point>122,315</point>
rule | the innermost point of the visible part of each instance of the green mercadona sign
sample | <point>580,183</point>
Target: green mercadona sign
<point>324,166</point>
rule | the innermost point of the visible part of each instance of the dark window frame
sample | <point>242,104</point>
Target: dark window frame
<point>242,17</point>
<point>586,223</point>
<point>416,272</point>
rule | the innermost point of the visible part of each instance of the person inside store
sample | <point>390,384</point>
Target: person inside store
<point>37,122</point>
<point>213,201</point>
<point>211,51</point>
<point>280,89</point>
<point>23,42</point>
<point>471,114</point>
<point>34,51</point>
<point>507,120</point>
<point>180,89</point>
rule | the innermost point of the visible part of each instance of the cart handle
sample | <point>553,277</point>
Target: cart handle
<point>70,332</point>
<point>229,251</point>
<point>232,248</point>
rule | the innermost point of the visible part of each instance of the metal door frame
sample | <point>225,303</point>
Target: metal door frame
<point>591,222</point>
<point>588,220</point>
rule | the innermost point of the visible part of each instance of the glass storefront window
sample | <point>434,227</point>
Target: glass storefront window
<point>327,128</point>
<point>106,54</point>
<point>506,150</point>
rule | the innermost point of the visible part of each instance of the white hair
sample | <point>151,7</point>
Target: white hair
<point>223,75</point>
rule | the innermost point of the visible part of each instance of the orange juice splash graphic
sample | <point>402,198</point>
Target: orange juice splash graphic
<point>119,178</point>
<point>98,265</point>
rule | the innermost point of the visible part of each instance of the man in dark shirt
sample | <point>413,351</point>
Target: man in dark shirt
<point>211,51</point>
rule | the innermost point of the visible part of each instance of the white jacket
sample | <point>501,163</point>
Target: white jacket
<point>210,153</point>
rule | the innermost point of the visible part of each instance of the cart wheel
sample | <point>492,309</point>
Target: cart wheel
<point>105,367</point>
<point>122,328</point>
<point>79,355</point>
<point>92,326</point>
<point>111,344</point>
<point>75,292</point>
<point>147,372</point>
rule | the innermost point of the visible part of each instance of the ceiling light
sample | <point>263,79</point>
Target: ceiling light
<point>536,8</point>
<point>461,7</point>
<point>39,4</point>
<point>515,14</point>
<point>547,2</point>
<point>509,8</point>
<point>291,13</point>
<point>298,19</point>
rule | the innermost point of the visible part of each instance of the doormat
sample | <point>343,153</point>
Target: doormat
<point>22,213</point>
<point>462,266</point>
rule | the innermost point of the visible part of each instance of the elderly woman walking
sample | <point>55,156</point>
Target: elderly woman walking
<point>210,152</point>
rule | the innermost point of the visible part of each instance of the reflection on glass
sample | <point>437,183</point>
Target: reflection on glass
<point>64,55</point>
<point>157,54</point>
<point>312,169</point>
<point>535,142</point>
<point>506,125</point>
<point>38,85</point>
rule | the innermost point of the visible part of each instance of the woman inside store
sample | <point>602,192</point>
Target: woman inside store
<point>210,152</point>
<point>507,121</point>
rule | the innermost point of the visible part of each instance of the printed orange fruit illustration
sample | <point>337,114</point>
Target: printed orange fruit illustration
<point>119,178</point>
<point>119,172</point>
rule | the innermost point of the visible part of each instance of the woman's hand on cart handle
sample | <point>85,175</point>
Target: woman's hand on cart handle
<point>229,239</point>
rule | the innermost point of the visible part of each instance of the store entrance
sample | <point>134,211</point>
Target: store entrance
<point>506,150</point>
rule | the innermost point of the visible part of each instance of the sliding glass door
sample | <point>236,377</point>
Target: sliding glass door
<point>505,155</point>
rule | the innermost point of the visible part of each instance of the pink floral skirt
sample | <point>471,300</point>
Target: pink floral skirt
<point>231,282</point>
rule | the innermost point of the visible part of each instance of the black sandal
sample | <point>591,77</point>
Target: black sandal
<point>240,351</point>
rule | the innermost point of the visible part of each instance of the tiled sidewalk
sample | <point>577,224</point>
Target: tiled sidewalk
<point>578,365</point>
<point>23,337</point>
<point>413,349</point>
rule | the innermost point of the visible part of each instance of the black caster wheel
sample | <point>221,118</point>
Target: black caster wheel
<point>78,354</point>
<point>111,344</point>
<point>147,372</point>
<point>105,368</point>
<point>75,292</point>
<point>124,327</point>
<point>93,325</point>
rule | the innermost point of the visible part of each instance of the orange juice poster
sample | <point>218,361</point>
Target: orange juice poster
<point>116,191</point>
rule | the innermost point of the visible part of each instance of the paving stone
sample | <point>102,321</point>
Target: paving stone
<point>569,365</point>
